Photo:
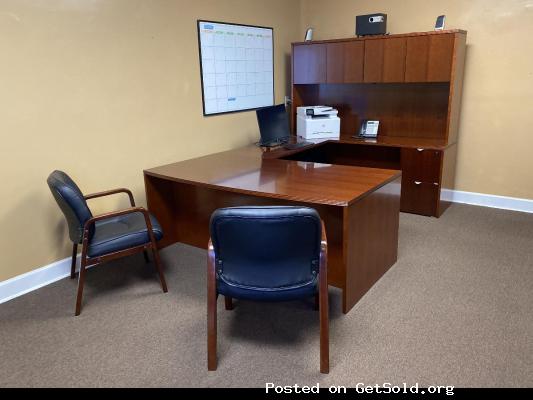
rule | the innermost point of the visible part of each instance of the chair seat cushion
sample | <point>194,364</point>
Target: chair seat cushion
<point>120,233</point>
<point>307,289</point>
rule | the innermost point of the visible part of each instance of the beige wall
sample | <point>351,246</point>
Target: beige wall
<point>103,89</point>
<point>496,129</point>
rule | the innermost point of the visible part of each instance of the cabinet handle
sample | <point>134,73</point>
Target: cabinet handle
<point>419,149</point>
<point>418,183</point>
<point>436,183</point>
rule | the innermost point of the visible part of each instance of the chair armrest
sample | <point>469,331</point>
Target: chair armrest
<point>110,192</point>
<point>323,251</point>
<point>210,257</point>
<point>211,275</point>
<point>131,210</point>
<point>324,240</point>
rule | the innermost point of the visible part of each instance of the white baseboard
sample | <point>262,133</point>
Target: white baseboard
<point>488,200</point>
<point>35,279</point>
<point>30,281</point>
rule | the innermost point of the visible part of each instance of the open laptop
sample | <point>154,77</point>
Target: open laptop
<point>274,128</point>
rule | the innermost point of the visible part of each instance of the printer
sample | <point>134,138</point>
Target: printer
<point>317,122</point>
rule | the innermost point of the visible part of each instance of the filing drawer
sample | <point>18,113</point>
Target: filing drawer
<point>421,165</point>
<point>419,197</point>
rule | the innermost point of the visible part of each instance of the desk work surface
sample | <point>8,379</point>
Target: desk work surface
<point>245,170</point>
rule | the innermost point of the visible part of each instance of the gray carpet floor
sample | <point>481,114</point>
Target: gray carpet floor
<point>456,309</point>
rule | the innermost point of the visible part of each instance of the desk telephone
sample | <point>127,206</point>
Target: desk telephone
<point>369,129</point>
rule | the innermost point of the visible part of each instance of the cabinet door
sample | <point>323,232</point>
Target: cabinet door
<point>335,63</point>
<point>429,58</point>
<point>373,71</point>
<point>385,60</point>
<point>354,54</point>
<point>309,63</point>
<point>416,61</point>
<point>394,52</point>
<point>440,58</point>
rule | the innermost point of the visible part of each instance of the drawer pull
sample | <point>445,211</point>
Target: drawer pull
<point>419,149</point>
<point>436,183</point>
<point>418,183</point>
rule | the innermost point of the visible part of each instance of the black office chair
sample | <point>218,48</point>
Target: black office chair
<point>107,236</point>
<point>266,254</point>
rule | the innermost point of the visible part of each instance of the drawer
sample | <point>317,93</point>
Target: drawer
<point>419,197</point>
<point>421,165</point>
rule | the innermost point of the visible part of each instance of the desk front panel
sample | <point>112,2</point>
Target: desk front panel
<point>362,237</point>
<point>371,240</point>
<point>184,211</point>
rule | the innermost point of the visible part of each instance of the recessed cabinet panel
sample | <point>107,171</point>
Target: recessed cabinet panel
<point>416,61</point>
<point>335,66</point>
<point>354,54</point>
<point>440,58</point>
<point>394,60</point>
<point>309,63</point>
<point>373,72</point>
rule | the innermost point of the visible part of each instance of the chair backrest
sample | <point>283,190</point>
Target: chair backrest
<point>266,247</point>
<point>71,201</point>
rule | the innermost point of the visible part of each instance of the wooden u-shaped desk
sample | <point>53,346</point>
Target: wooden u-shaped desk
<point>359,205</point>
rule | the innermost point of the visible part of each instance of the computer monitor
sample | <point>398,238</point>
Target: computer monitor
<point>273,125</point>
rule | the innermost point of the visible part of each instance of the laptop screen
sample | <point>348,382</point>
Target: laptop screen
<point>273,124</point>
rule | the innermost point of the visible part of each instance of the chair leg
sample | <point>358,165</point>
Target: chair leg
<point>81,282</point>
<point>211,330</point>
<point>212,296</point>
<point>324,329</point>
<point>228,302</point>
<point>158,267</point>
<point>73,263</point>
<point>145,253</point>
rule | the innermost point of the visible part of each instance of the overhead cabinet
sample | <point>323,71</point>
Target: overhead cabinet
<point>387,59</point>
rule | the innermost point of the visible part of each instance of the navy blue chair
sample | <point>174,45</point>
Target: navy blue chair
<point>107,236</point>
<point>266,254</point>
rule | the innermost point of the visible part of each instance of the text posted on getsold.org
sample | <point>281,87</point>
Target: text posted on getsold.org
<point>359,388</point>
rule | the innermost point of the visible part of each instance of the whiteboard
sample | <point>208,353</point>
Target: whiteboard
<point>236,66</point>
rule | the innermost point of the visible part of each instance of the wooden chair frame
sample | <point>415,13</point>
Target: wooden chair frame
<point>87,261</point>
<point>322,298</point>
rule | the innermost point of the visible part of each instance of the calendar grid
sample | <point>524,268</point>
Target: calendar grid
<point>237,67</point>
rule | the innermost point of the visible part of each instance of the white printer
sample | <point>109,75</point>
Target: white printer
<point>317,122</point>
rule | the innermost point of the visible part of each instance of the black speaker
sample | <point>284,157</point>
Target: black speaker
<point>371,24</point>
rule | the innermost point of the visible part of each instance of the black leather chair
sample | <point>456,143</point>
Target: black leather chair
<point>107,236</point>
<point>266,254</point>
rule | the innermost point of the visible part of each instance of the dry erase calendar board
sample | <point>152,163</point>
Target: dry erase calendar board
<point>236,65</point>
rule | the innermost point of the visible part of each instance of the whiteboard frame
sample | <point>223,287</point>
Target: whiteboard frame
<point>198,22</point>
